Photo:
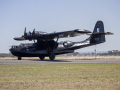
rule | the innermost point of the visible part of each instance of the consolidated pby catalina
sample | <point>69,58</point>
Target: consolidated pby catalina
<point>47,46</point>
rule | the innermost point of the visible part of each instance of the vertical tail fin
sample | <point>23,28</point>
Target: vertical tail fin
<point>98,35</point>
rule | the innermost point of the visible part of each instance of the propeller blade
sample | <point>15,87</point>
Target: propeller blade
<point>30,33</point>
<point>25,31</point>
<point>33,33</point>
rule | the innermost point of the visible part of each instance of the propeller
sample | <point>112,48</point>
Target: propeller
<point>30,36</point>
<point>25,32</point>
<point>27,35</point>
<point>33,33</point>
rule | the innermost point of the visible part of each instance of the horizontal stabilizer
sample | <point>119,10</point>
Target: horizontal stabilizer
<point>97,33</point>
<point>109,33</point>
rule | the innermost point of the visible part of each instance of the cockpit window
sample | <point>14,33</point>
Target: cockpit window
<point>14,46</point>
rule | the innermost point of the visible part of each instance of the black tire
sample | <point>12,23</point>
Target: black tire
<point>19,58</point>
<point>52,56</point>
<point>41,58</point>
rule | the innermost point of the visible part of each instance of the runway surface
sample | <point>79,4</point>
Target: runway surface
<point>69,61</point>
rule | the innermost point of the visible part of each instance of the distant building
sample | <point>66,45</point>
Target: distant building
<point>113,51</point>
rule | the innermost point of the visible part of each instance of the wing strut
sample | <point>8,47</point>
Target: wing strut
<point>56,41</point>
<point>50,50</point>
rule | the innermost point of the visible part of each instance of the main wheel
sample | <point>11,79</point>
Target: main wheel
<point>52,56</point>
<point>41,58</point>
<point>19,58</point>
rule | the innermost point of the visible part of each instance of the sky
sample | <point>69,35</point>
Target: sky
<point>59,15</point>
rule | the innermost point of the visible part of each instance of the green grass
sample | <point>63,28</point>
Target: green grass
<point>74,76</point>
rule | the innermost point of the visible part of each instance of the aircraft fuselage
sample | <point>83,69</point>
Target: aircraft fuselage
<point>44,49</point>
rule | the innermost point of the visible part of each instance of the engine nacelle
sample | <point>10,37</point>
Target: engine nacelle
<point>38,33</point>
<point>27,35</point>
<point>68,44</point>
<point>34,34</point>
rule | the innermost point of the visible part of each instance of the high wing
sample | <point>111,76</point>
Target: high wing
<point>48,36</point>
<point>66,34</point>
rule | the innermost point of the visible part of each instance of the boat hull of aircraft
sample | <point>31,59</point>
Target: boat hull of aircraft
<point>37,54</point>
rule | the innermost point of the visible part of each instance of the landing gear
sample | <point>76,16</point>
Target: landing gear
<point>41,58</point>
<point>52,56</point>
<point>19,58</point>
<point>50,49</point>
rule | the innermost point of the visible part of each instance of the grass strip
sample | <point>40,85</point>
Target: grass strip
<point>70,76</point>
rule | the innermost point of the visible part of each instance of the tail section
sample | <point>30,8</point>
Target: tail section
<point>98,35</point>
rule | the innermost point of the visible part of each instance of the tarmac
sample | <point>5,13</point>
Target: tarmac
<point>66,61</point>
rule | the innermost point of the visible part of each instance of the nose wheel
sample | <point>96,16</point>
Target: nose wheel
<point>52,56</point>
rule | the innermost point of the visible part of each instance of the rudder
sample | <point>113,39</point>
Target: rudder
<point>98,33</point>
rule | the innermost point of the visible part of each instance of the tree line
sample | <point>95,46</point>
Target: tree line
<point>73,54</point>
